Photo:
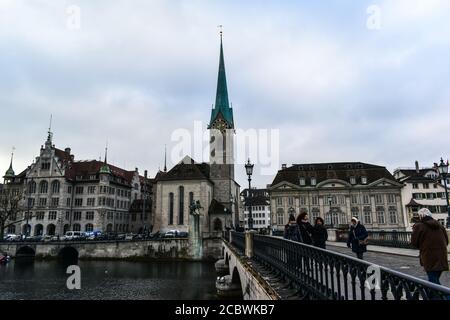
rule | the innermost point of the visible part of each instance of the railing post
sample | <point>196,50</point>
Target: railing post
<point>249,243</point>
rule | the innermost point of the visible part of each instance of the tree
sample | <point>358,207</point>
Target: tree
<point>10,208</point>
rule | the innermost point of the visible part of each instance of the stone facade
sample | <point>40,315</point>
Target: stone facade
<point>337,192</point>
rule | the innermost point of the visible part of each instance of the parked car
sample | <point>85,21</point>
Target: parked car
<point>12,237</point>
<point>183,234</point>
<point>120,236</point>
<point>171,234</point>
<point>47,238</point>
<point>129,236</point>
<point>34,238</point>
<point>71,236</point>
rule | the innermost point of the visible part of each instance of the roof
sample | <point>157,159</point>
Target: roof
<point>218,208</point>
<point>222,106</point>
<point>258,197</point>
<point>85,169</point>
<point>186,171</point>
<point>334,170</point>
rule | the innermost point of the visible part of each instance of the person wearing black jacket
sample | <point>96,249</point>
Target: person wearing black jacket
<point>357,238</point>
<point>306,229</point>
<point>292,231</point>
<point>320,233</point>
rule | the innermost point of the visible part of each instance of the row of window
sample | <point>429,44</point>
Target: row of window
<point>257,208</point>
<point>427,185</point>
<point>55,188</point>
<point>340,199</point>
<point>258,222</point>
<point>256,215</point>
<point>429,195</point>
<point>180,205</point>
<point>313,181</point>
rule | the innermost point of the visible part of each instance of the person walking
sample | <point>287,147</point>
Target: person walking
<point>320,233</point>
<point>431,238</point>
<point>306,229</point>
<point>357,238</point>
<point>292,231</point>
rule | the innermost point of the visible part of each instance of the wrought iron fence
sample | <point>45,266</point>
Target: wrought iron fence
<point>238,240</point>
<point>397,239</point>
<point>325,275</point>
<point>226,235</point>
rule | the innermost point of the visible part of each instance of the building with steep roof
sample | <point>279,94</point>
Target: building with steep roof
<point>259,200</point>
<point>337,192</point>
<point>211,183</point>
<point>422,188</point>
<point>64,194</point>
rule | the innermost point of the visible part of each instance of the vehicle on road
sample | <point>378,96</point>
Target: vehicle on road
<point>71,236</point>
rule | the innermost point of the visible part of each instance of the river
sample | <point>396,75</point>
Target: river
<point>106,280</point>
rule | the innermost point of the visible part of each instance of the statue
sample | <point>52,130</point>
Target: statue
<point>195,207</point>
<point>195,234</point>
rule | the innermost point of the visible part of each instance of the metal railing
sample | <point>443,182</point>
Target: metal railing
<point>238,240</point>
<point>396,239</point>
<point>321,274</point>
<point>226,235</point>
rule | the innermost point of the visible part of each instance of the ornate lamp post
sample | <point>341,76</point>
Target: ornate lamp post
<point>330,214</point>
<point>249,171</point>
<point>443,171</point>
<point>27,230</point>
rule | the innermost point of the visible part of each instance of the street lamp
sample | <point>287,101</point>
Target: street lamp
<point>443,171</point>
<point>249,171</point>
<point>330,215</point>
<point>27,227</point>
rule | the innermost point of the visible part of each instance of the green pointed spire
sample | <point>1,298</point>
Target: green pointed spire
<point>105,168</point>
<point>10,172</point>
<point>222,105</point>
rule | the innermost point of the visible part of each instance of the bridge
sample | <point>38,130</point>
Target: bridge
<point>265,267</point>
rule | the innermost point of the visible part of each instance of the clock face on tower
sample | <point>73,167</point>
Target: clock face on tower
<point>220,125</point>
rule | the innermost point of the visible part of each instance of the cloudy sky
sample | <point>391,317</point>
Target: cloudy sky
<point>341,80</point>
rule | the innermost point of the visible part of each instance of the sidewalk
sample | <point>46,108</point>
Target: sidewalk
<point>389,250</point>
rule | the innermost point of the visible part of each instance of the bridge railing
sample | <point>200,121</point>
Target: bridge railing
<point>320,274</point>
<point>238,240</point>
<point>396,239</point>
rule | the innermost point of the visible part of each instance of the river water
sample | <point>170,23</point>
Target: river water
<point>105,280</point>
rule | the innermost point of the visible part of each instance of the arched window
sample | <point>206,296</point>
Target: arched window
<point>38,230</point>
<point>43,187</point>
<point>217,224</point>
<point>55,186</point>
<point>171,208</point>
<point>181,205</point>
<point>76,227</point>
<point>109,227</point>
<point>31,187</point>
<point>66,228</point>
<point>191,198</point>
<point>89,227</point>
<point>51,229</point>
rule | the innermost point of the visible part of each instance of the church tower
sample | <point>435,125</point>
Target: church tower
<point>222,133</point>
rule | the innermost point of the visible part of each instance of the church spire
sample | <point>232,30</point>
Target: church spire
<point>105,167</point>
<point>222,105</point>
<point>165,158</point>
<point>10,172</point>
<point>48,143</point>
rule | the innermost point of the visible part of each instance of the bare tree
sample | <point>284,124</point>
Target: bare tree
<point>10,207</point>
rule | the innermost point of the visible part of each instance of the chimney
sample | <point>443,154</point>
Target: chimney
<point>67,150</point>
<point>145,174</point>
<point>284,166</point>
<point>417,166</point>
<point>72,157</point>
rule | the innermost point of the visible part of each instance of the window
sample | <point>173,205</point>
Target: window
<point>110,215</point>
<point>392,215</point>
<point>32,187</point>
<point>55,202</point>
<point>302,200</point>
<point>67,215</point>
<point>290,201</point>
<point>43,187</point>
<point>330,200</point>
<point>313,181</point>
<point>55,186</point>
<point>280,216</point>
<point>367,215</point>
<point>415,186</point>
<point>91,189</point>
<point>378,198</point>
<point>45,166</point>
<point>315,200</point>
<point>181,205</point>
<point>40,215</point>
<point>42,202</point>
<point>79,190</point>
<point>69,189</point>
<point>91,202</point>
<point>280,201</point>
<point>77,216</point>
<point>355,212</point>
<point>354,199</point>
<point>366,199</point>
<point>426,186</point>
<point>380,215</point>
<point>391,198</point>
<point>341,199</point>
<point>90,215</point>
<point>364,180</point>
<point>89,227</point>
<point>30,202</point>
<point>52,215</point>
<point>76,227</point>
<point>352,180</point>
<point>78,202</point>
<point>171,208</point>
<point>302,181</point>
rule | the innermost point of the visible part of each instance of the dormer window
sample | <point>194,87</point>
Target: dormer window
<point>352,180</point>
<point>45,166</point>
<point>330,166</point>
<point>364,180</point>
<point>302,181</point>
<point>313,181</point>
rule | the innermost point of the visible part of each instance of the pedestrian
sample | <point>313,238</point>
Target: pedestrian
<point>292,231</point>
<point>357,238</point>
<point>320,233</point>
<point>306,229</point>
<point>431,238</point>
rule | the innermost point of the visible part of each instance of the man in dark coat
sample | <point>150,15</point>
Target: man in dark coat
<point>356,238</point>
<point>320,233</point>
<point>306,229</point>
<point>292,231</point>
<point>431,238</point>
